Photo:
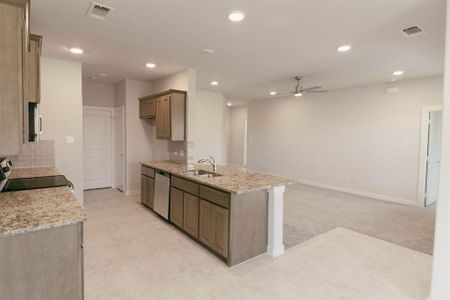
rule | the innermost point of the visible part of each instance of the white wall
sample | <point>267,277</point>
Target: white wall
<point>140,141</point>
<point>441,254</point>
<point>119,94</point>
<point>236,138</point>
<point>358,139</point>
<point>98,94</point>
<point>211,126</point>
<point>61,108</point>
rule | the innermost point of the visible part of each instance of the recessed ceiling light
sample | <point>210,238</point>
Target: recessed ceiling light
<point>236,16</point>
<point>229,104</point>
<point>298,94</point>
<point>214,82</point>
<point>75,50</point>
<point>102,75</point>
<point>273,93</point>
<point>150,65</point>
<point>398,73</point>
<point>344,48</point>
<point>207,51</point>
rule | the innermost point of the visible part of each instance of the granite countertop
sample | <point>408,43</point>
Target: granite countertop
<point>33,172</point>
<point>233,179</point>
<point>33,210</point>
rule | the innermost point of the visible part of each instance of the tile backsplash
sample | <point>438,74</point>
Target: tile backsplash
<point>41,154</point>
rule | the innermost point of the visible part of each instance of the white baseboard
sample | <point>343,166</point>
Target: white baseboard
<point>360,193</point>
<point>133,192</point>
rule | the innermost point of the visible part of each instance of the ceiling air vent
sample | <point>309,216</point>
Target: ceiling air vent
<point>413,30</point>
<point>98,11</point>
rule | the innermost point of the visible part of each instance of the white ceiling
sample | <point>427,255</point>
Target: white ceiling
<point>277,40</point>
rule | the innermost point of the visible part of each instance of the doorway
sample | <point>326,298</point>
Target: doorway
<point>430,155</point>
<point>97,147</point>
<point>119,148</point>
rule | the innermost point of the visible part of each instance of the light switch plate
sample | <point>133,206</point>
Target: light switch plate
<point>70,139</point>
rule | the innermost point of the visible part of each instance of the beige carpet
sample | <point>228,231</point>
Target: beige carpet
<point>131,254</point>
<point>310,211</point>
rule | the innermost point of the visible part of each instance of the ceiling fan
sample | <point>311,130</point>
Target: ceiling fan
<point>300,91</point>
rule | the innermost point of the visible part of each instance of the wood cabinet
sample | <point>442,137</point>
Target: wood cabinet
<point>176,207</point>
<point>169,110</point>
<point>46,264</point>
<point>184,206</point>
<point>147,186</point>
<point>233,226</point>
<point>147,108</point>
<point>220,225</point>
<point>206,226</point>
<point>214,227</point>
<point>14,26</point>
<point>163,127</point>
<point>33,70</point>
<point>190,215</point>
<point>144,189</point>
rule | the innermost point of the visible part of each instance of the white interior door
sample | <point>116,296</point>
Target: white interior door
<point>433,157</point>
<point>119,149</point>
<point>97,147</point>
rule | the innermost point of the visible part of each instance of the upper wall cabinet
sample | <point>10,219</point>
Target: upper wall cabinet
<point>34,66</point>
<point>14,45</point>
<point>169,109</point>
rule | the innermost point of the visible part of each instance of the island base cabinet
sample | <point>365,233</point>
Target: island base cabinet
<point>206,231</point>
<point>176,207</point>
<point>46,264</point>
<point>214,227</point>
<point>220,221</point>
<point>190,216</point>
<point>144,189</point>
<point>147,191</point>
<point>150,192</point>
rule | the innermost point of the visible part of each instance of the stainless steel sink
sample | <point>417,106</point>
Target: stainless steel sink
<point>204,173</point>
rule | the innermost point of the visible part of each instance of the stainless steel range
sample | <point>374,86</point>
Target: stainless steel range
<point>5,171</point>
<point>32,183</point>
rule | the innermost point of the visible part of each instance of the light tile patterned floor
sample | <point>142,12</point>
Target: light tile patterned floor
<point>131,254</point>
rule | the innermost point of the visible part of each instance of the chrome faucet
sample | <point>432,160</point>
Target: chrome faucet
<point>210,160</point>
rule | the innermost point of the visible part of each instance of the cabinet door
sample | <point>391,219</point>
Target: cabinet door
<point>206,230</point>
<point>11,84</point>
<point>144,190</point>
<point>176,207</point>
<point>190,216</point>
<point>150,192</point>
<point>220,240</point>
<point>163,117</point>
<point>151,108</point>
<point>159,118</point>
<point>33,70</point>
<point>142,109</point>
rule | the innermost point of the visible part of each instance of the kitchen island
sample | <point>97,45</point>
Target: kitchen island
<point>234,212</point>
<point>41,236</point>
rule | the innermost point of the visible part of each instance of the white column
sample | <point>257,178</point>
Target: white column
<point>440,288</point>
<point>275,246</point>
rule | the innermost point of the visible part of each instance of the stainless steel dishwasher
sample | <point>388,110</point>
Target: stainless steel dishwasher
<point>162,194</point>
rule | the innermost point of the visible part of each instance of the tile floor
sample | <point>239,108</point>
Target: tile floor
<point>131,254</point>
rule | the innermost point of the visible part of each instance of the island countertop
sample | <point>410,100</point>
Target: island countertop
<point>33,210</point>
<point>233,179</point>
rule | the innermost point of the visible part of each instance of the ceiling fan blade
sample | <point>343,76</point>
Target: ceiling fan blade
<point>312,88</point>
<point>322,91</point>
<point>284,93</point>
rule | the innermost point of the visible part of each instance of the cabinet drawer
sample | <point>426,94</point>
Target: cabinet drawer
<point>147,171</point>
<point>185,185</point>
<point>214,196</point>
